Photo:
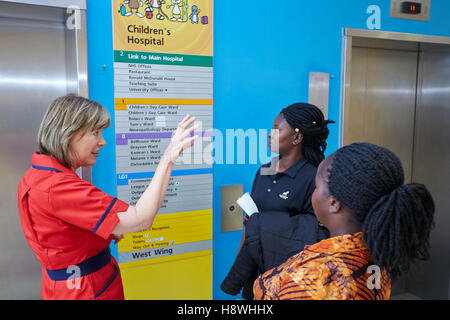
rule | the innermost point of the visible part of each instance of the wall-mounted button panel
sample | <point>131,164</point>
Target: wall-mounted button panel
<point>230,211</point>
<point>413,10</point>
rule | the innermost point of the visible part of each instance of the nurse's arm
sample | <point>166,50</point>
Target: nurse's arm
<point>140,217</point>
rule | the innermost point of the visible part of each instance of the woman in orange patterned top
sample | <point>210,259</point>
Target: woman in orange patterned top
<point>378,227</point>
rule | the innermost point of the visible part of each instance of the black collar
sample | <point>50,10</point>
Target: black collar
<point>293,170</point>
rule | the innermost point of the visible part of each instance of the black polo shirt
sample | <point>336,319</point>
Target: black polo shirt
<point>289,191</point>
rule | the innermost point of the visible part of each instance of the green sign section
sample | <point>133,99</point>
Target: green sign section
<point>162,58</point>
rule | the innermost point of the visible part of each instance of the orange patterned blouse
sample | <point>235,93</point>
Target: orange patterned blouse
<point>338,268</point>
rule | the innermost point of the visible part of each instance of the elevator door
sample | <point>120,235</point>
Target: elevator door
<point>35,68</point>
<point>397,95</point>
<point>431,166</point>
<point>382,97</point>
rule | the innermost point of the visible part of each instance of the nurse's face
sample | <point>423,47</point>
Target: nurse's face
<point>85,148</point>
<point>282,136</point>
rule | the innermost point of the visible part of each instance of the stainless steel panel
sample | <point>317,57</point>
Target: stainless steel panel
<point>77,73</point>
<point>52,3</point>
<point>389,35</point>
<point>376,43</point>
<point>319,90</point>
<point>230,211</point>
<point>346,69</point>
<point>431,166</point>
<point>34,70</point>
<point>382,100</point>
<point>355,104</point>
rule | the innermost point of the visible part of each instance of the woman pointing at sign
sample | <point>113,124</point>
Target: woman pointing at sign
<point>68,222</point>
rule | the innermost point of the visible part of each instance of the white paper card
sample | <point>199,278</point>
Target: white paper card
<point>247,204</point>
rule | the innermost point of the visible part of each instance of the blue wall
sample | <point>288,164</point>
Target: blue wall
<point>262,59</point>
<point>101,85</point>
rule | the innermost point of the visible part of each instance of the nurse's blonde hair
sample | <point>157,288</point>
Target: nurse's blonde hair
<point>65,117</point>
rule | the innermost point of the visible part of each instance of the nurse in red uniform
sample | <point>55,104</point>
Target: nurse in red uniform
<point>68,222</point>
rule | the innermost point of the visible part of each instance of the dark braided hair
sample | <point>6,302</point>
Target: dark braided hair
<point>310,122</point>
<point>396,219</point>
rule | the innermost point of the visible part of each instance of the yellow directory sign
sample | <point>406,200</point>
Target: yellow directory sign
<point>170,26</point>
<point>163,70</point>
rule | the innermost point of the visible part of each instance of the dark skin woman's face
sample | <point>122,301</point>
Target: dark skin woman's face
<point>320,197</point>
<point>337,218</point>
<point>282,136</point>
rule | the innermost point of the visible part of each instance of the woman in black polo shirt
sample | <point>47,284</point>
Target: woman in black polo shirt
<point>282,192</point>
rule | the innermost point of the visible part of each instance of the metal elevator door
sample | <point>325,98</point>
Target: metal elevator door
<point>431,165</point>
<point>397,96</point>
<point>37,64</point>
<point>382,98</point>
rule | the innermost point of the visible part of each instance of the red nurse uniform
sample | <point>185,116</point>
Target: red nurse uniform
<point>68,223</point>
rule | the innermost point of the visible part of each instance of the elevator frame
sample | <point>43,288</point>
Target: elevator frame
<point>350,39</point>
<point>347,36</point>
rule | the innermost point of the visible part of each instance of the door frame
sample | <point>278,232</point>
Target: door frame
<point>347,44</point>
